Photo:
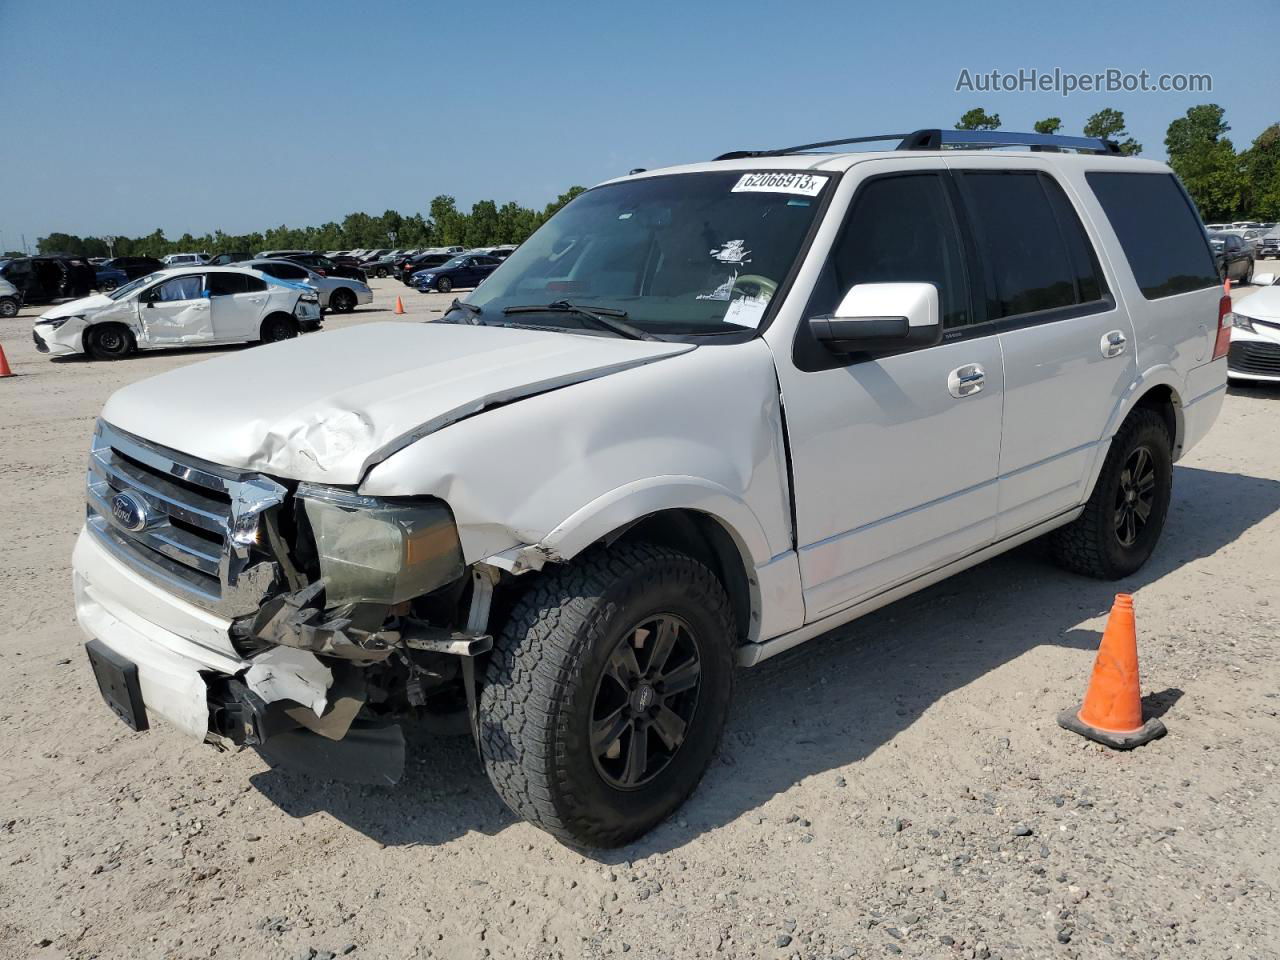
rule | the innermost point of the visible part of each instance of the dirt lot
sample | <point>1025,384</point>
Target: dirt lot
<point>897,788</point>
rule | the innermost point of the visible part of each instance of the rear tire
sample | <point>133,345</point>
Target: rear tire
<point>342,300</point>
<point>278,327</point>
<point>109,341</point>
<point>1125,513</point>
<point>582,733</point>
<point>8,307</point>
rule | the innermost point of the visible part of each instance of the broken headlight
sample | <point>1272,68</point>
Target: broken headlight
<point>380,551</point>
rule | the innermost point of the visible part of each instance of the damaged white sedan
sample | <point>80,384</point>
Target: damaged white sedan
<point>179,307</point>
<point>699,417</point>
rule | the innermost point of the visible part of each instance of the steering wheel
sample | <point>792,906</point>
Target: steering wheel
<point>754,285</point>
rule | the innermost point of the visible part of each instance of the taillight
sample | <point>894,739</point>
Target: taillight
<point>1223,343</point>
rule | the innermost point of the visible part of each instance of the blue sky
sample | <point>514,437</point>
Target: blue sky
<point>129,116</point>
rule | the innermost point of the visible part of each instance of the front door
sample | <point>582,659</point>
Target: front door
<point>176,312</point>
<point>894,456</point>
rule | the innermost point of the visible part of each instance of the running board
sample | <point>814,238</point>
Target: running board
<point>751,654</point>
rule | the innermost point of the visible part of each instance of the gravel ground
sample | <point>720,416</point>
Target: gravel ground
<point>898,787</point>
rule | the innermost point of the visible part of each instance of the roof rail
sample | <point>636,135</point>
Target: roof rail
<point>938,139</point>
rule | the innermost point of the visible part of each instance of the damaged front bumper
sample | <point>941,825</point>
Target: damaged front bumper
<point>298,699</point>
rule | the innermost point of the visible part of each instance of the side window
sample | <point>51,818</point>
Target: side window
<point>179,288</point>
<point>254,284</point>
<point>225,284</point>
<point>286,272</point>
<point>900,229</point>
<point>1158,230</point>
<point>1084,259</point>
<point>1027,263</point>
<point>270,269</point>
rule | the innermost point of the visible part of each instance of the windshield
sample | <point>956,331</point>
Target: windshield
<point>685,253</point>
<point>119,293</point>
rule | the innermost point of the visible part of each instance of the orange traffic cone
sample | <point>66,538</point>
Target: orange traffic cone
<point>399,305</point>
<point>4,365</point>
<point>1112,710</point>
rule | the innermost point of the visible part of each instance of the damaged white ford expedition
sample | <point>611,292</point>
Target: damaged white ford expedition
<point>702,415</point>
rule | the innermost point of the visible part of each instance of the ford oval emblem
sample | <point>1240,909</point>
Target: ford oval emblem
<point>129,510</point>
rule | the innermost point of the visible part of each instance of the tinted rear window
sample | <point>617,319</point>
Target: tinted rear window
<point>1158,230</point>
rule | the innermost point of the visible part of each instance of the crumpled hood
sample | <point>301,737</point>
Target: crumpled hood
<point>326,407</point>
<point>1263,304</point>
<point>76,308</point>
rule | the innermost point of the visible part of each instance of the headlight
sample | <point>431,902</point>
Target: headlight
<point>380,551</point>
<point>310,297</point>
<point>55,324</point>
<point>1241,322</point>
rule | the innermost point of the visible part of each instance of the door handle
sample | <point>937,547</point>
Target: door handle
<point>1113,343</point>
<point>966,381</point>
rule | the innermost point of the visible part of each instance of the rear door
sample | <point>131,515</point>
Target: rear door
<point>176,312</point>
<point>238,301</point>
<point>1068,348</point>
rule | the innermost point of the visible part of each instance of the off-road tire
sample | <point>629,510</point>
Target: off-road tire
<point>539,687</point>
<point>444,284</point>
<point>1090,545</point>
<point>342,300</point>
<point>278,327</point>
<point>109,341</point>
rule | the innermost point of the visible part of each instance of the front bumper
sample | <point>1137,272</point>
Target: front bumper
<point>1255,355</point>
<point>64,341</point>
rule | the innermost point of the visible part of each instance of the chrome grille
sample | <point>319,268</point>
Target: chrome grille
<point>192,527</point>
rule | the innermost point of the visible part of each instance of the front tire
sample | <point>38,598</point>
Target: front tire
<point>8,307</point>
<point>1125,513</point>
<point>109,341</point>
<point>444,284</point>
<point>607,692</point>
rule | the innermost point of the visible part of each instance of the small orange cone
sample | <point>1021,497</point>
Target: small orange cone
<point>1112,710</point>
<point>399,305</point>
<point>4,365</point>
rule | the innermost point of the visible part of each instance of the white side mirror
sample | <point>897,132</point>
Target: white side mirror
<point>881,316</point>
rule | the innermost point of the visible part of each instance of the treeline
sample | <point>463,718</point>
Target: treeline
<point>485,224</point>
<point>1225,184</point>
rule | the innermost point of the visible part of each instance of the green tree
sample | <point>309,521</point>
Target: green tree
<point>60,243</point>
<point>1262,175</point>
<point>1049,125</point>
<point>1109,124</point>
<point>1206,161</point>
<point>979,119</point>
<point>482,224</point>
<point>448,225</point>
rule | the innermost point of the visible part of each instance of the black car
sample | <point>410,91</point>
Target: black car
<point>1233,255</point>
<point>411,265</point>
<point>464,271</point>
<point>226,259</point>
<point>46,278</point>
<point>326,266</point>
<point>132,267</point>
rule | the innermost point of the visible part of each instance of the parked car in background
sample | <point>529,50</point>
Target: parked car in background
<point>184,259</point>
<point>1255,337</point>
<point>108,278</point>
<point>385,265</point>
<point>1233,256</point>
<point>1269,244</point>
<point>133,267</point>
<point>179,307</point>
<point>42,279</point>
<point>226,259</point>
<point>500,252</point>
<point>411,265</point>
<point>326,266</point>
<point>339,294</point>
<point>10,299</point>
<point>465,271</point>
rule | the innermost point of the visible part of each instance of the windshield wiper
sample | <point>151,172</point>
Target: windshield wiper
<point>606,317</point>
<point>472,309</point>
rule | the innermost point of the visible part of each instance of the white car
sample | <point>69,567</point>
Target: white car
<point>179,307</point>
<point>339,294</point>
<point>184,259</point>
<point>10,299</point>
<point>1255,337</point>
<point>701,416</point>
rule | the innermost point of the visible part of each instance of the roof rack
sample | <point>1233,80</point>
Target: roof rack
<point>938,139</point>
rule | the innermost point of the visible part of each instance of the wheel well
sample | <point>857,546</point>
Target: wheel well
<point>1165,402</point>
<point>286,317</point>
<point>707,541</point>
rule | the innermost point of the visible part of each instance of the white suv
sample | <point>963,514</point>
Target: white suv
<point>701,416</point>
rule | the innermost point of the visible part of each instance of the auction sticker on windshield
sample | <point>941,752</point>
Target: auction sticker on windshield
<point>779,181</point>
